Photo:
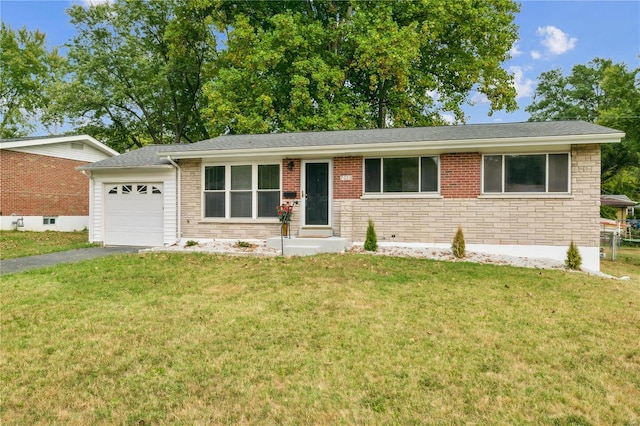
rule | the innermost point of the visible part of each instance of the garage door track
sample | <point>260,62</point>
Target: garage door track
<point>21,264</point>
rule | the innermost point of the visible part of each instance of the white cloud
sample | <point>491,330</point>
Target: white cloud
<point>433,94</point>
<point>555,40</point>
<point>524,86</point>
<point>479,98</point>
<point>448,117</point>
<point>515,50</point>
<point>89,3</point>
<point>535,54</point>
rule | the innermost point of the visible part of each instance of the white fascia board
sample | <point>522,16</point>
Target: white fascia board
<point>400,147</point>
<point>88,168</point>
<point>61,139</point>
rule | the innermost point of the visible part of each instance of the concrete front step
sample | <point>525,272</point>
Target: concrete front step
<point>309,246</point>
<point>317,232</point>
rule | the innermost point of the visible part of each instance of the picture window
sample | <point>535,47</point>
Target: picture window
<point>401,175</point>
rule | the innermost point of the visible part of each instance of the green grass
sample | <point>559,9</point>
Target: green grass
<point>26,243</point>
<point>627,263</point>
<point>342,339</point>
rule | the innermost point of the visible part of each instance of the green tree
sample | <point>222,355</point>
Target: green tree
<point>604,93</point>
<point>27,71</point>
<point>136,70</point>
<point>315,65</point>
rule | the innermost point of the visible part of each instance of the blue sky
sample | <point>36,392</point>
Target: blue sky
<point>553,34</point>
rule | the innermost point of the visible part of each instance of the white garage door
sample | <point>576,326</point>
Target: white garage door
<point>133,214</point>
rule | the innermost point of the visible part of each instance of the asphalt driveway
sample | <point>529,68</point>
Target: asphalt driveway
<point>21,264</point>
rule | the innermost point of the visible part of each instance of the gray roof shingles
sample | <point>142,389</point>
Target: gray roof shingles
<point>148,156</point>
<point>406,134</point>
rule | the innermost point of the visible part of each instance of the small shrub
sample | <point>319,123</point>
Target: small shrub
<point>191,243</point>
<point>371,242</point>
<point>244,244</point>
<point>574,260</point>
<point>457,246</point>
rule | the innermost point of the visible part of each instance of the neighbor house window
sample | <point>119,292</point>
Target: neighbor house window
<point>242,191</point>
<point>48,220</point>
<point>526,173</point>
<point>405,174</point>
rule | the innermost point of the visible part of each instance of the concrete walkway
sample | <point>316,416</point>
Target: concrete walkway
<point>21,264</point>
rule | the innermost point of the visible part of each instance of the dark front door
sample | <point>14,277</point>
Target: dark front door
<point>316,194</point>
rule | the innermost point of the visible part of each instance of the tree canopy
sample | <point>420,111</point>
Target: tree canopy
<point>27,70</point>
<point>173,71</point>
<point>316,65</point>
<point>605,93</point>
<point>136,70</point>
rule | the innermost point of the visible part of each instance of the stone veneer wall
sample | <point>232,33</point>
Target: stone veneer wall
<point>545,220</point>
<point>194,226</point>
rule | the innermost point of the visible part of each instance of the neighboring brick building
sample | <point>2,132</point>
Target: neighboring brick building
<point>40,188</point>
<point>523,189</point>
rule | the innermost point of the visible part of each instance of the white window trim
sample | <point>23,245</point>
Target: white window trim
<point>227,193</point>
<point>416,194</point>
<point>545,194</point>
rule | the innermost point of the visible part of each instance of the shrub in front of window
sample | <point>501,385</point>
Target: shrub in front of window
<point>573,260</point>
<point>457,246</point>
<point>371,242</point>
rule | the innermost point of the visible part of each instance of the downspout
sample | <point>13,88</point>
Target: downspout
<point>91,203</point>
<point>178,195</point>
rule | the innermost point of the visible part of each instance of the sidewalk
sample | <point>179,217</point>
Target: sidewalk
<point>21,264</point>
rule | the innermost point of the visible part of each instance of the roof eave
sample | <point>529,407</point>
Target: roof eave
<point>95,169</point>
<point>398,147</point>
<point>61,139</point>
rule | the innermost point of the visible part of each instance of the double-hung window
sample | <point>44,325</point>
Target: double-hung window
<point>537,173</point>
<point>397,175</point>
<point>241,191</point>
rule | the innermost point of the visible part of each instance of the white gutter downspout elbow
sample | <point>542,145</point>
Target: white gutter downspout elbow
<point>178,195</point>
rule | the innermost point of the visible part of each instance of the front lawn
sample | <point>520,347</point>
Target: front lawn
<point>26,243</point>
<point>166,338</point>
<point>627,263</point>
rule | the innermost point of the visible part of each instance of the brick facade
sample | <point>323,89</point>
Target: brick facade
<point>460,175</point>
<point>291,178</point>
<point>351,169</point>
<point>38,185</point>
